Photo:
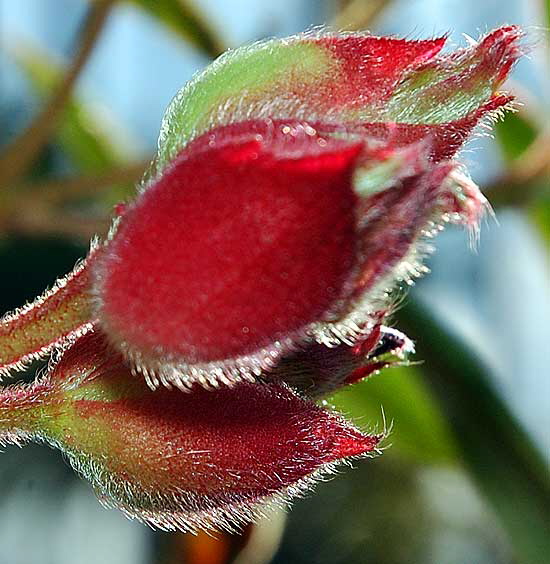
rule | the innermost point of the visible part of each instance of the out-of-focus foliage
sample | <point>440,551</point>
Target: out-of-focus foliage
<point>499,455</point>
<point>444,412</point>
<point>524,145</point>
<point>86,134</point>
<point>540,211</point>
<point>82,133</point>
<point>515,134</point>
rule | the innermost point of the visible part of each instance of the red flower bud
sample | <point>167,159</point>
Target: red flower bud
<point>285,242</point>
<point>287,205</point>
<point>173,460</point>
<point>236,263</point>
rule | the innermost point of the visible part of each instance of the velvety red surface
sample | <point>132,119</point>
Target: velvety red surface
<point>251,440</point>
<point>237,245</point>
<point>217,447</point>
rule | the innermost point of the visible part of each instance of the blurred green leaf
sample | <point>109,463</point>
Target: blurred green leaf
<point>182,17</point>
<point>508,469</point>
<point>375,513</point>
<point>92,142</point>
<point>539,210</point>
<point>515,133</point>
<point>419,431</point>
<point>25,147</point>
<point>81,133</point>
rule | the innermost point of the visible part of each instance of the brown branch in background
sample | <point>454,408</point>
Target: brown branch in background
<point>42,219</point>
<point>534,163</point>
<point>60,190</point>
<point>35,209</point>
<point>23,149</point>
<point>358,15</point>
<point>523,177</point>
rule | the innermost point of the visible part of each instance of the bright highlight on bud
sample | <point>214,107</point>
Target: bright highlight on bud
<point>296,186</point>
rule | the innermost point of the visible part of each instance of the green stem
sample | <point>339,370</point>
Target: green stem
<point>22,409</point>
<point>508,469</point>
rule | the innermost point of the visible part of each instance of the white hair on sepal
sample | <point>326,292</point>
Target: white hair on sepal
<point>180,510</point>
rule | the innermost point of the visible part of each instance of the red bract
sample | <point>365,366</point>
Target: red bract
<point>173,460</point>
<point>238,261</point>
<point>284,242</point>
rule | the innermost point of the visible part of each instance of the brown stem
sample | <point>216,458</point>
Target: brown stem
<point>42,219</point>
<point>59,190</point>
<point>32,209</point>
<point>24,148</point>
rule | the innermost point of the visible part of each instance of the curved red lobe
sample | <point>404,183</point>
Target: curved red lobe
<point>318,370</point>
<point>236,245</point>
<point>244,442</point>
<point>197,459</point>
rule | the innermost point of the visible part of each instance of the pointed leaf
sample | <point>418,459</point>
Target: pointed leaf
<point>451,87</point>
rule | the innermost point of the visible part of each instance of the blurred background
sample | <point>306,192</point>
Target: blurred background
<point>83,86</point>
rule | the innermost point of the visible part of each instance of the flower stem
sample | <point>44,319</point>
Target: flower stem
<point>22,411</point>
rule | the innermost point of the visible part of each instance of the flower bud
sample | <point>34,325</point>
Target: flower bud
<point>295,238</point>
<point>178,461</point>
<point>284,207</point>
